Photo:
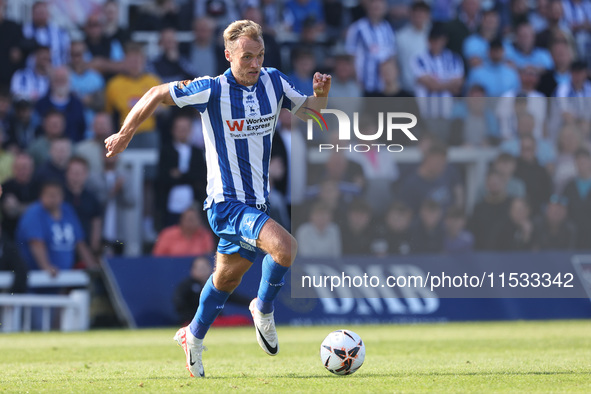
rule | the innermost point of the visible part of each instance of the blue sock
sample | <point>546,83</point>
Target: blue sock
<point>211,303</point>
<point>271,283</point>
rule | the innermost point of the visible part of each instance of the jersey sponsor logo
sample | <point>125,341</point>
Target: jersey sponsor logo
<point>235,125</point>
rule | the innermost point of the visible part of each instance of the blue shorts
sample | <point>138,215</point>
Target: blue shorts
<point>238,225</point>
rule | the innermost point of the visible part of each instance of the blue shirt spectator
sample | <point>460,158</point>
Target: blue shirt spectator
<point>523,52</point>
<point>298,11</point>
<point>496,78</point>
<point>476,46</point>
<point>53,223</point>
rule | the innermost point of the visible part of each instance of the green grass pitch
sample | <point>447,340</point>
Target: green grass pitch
<point>459,357</point>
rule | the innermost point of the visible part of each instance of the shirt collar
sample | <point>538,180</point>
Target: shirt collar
<point>232,80</point>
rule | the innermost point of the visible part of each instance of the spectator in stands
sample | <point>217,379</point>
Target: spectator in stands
<point>337,17</point>
<point>111,27</point>
<point>190,237</point>
<point>493,208</point>
<point>293,183</point>
<point>10,47</point>
<point>371,41</point>
<point>123,91</point>
<point>6,160</point>
<point>570,140</point>
<point>171,65</point>
<point>116,197</point>
<point>338,167</point>
<point>457,239</point>
<point>5,112</point>
<point>555,27</point>
<point>577,18</point>
<point>204,52</point>
<point>538,183</point>
<point>320,236</point>
<point>535,104</point>
<point>396,228</point>
<point>505,165</point>
<point>573,96</point>
<point>105,54</point>
<point>344,83</point>
<point>49,233</point>
<point>272,48</point>
<point>553,230</point>
<point>427,231</point>
<point>187,293</point>
<point>516,232</point>
<point>544,150</point>
<point>476,47</point>
<point>156,15</point>
<point>181,177</point>
<point>304,65</point>
<point>11,261</point>
<point>41,32</point>
<point>32,82</point>
<point>391,81</point>
<point>19,192</point>
<point>220,12</point>
<point>61,98</point>
<point>22,126</point>
<point>439,75</point>
<point>298,12</point>
<point>523,52</point>
<point>562,57</point>
<point>54,168</point>
<point>93,149</point>
<point>465,24</point>
<point>86,82</point>
<point>475,123</point>
<point>84,202</point>
<point>433,181</point>
<point>358,233</point>
<point>579,199</point>
<point>411,40</point>
<point>495,75</point>
<point>53,128</point>
<point>333,194</point>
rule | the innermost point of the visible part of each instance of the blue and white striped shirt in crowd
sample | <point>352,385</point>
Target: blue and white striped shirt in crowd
<point>575,102</point>
<point>576,13</point>
<point>371,45</point>
<point>26,84</point>
<point>238,126</point>
<point>443,67</point>
<point>53,37</point>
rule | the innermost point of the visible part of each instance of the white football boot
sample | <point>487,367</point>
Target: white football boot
<point>193,348</point>
<point>264,325</point>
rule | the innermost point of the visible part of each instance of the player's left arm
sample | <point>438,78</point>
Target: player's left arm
<point>321,86</point>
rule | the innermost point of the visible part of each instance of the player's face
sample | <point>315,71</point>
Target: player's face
<point>246,60</point>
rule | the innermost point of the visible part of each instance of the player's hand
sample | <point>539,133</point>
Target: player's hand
<point>52,270</point>
<point>116,144</point>
<point>321,84</point>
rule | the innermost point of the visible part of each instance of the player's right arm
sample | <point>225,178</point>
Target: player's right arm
<point>141,111</point>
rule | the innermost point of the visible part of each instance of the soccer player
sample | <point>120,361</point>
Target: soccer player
<point>239,113</point>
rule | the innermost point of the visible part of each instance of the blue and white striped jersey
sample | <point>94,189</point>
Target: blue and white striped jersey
<point>443,67</point>
<point>371,45</point>
<point>238,126</point>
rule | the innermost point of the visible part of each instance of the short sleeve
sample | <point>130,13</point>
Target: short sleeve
<point>194,93</point>
<point>293,99</point>
<point>30,225</point>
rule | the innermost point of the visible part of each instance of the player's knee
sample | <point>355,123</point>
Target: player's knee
<point>227,283</point>
<point>286,253</point>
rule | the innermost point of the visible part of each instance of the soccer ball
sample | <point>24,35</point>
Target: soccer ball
<point>342,352</point>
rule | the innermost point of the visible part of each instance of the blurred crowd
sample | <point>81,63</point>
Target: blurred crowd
<point>70,75</point>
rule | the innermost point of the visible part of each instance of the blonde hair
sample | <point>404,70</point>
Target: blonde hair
<point>242,28</point>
